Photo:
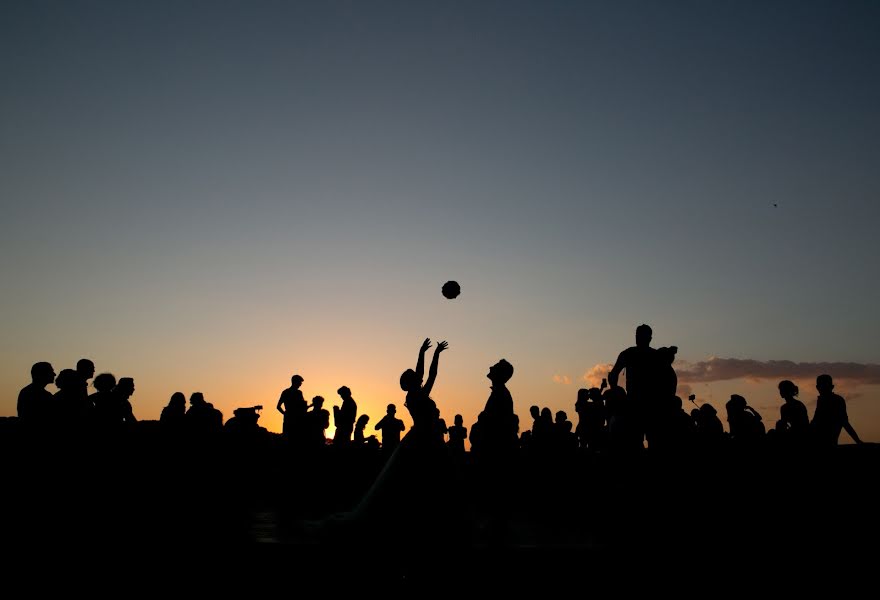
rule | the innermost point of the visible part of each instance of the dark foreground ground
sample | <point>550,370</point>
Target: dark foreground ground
<point>215,513</point>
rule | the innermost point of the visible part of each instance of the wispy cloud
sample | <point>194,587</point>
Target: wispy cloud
<point>594,376</point>
<point>726,369</point>
<point>563,379</point>
<point>721,369</point>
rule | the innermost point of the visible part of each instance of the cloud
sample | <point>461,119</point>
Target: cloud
<point>721,369</point>
<point>597,373</point>
<point>563,379</point>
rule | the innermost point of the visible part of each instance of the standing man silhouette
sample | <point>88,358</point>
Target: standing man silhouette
<point>293,406</point>
<point>640,363</point>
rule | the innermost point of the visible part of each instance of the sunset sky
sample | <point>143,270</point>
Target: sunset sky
<point>214,196</point>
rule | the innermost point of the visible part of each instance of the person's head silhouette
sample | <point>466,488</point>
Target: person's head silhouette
<point>197,399</point>
<point>409,380</point>
<point>459,420</point>
<point>178,400</point>
<point>501,372</point>
<point>824,384</point>
<point>318,402</point>
<point>68,380</point>
<point>391,409</point>
<point>105,382</point>
<point>643,336</point>
<point>344,392</point>
<point>125,386</point>
<point>42,373</point>
<point>296,381</point>
<point>787,389</point>
<point>85,368</point>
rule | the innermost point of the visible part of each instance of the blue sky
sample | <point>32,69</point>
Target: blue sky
<point>215,195</point>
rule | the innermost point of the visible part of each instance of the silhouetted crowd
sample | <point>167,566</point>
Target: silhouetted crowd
<point>646,413</point>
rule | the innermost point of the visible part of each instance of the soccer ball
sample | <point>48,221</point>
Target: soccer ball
<point>451,289</point>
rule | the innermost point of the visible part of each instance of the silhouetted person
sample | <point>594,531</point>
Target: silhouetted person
<point>640,363</point>
<point>411,491</point>
<point>498,446</point>
<point>441,428</point>
<point>564,439</point>
<point>590,429</point>
<point>71,405</point>
<point>793,417</point>
<point>710,429</point>
<point>360,440</point>
<point>830,416</point>
<point>344,417</point>
<point>244,424</point>
<point>418,401</point>
<point>293,406</point>
<point>457,435</point>
<point>201,416</point>
<point>104,401</point>
<point>85,368</point>
<point>34,400</point>
<point>391,428</point>
<point>125,390</point>
<point>745,423</point>
<point>174,413</point>
<point>317,422</point>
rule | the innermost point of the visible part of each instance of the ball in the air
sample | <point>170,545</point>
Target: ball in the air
<point>451,289</point>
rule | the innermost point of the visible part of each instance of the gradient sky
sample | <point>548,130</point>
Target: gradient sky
<point>213,196</point>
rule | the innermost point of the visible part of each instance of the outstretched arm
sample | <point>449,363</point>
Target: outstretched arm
<point>432,372</point>
<point>420,365</point>
<point>852,432</point>
<point>619,366</point>
<point>280,406</point>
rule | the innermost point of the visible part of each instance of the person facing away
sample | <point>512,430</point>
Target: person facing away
<point>830,416</point>
<point>34,400</point>
<point>293,406</point>
<point>174,413</point>
<point>640,364</point>
<point>344,417</point>
<point>391,428</point>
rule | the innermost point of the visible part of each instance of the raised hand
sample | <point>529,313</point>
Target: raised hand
<point>426,344</point>
<point>441,346</point>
